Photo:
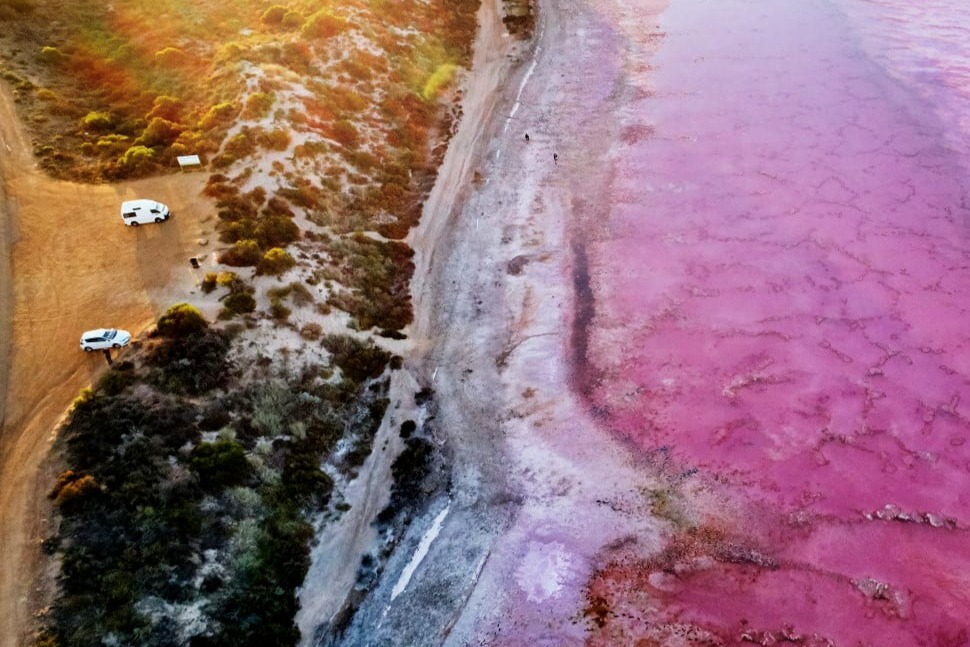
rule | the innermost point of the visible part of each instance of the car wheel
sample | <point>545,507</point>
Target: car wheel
<point>88,349</point>
<point>116,345</point>
<point>134,224</point>
<point>159,219</point>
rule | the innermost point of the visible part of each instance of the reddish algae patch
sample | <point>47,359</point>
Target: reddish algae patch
<point>788,268</point>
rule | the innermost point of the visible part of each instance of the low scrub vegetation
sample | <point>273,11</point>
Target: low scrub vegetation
<point>377,275</point>
<point>200,506</point>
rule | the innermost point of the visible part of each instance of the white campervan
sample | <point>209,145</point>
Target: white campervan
<point>137,212</point>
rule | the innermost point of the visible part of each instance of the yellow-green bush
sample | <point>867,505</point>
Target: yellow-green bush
<point>439,80</point>
<point>181,320</point>
<point>242,253</point>
<point>292,20</point>
<point>47,96</point>
<point>277,139</point>
<point>273,16</point>
<point>51,55</point>
<point>166,107</point>
<point>276,261</point>
<point>171,57</point>
<point>258,105</point>
<point>95,120</point>
<point>136,158</point>
<point>160,132</point>
<point>219,115</point>
<point>324,24</point>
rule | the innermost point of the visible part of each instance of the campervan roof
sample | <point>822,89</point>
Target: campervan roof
<point>135,205</point>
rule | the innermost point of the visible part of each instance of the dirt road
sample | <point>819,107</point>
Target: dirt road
<point>73,266</point>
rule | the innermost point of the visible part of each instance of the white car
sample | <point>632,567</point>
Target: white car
<point>104,338</point>
<point>140,212</point>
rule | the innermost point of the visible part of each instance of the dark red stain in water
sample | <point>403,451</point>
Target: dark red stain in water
<point>790,265</point>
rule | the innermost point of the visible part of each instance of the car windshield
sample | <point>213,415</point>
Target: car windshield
<point>110,334</point>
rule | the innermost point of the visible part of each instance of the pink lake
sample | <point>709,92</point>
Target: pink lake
<point>781,305</point>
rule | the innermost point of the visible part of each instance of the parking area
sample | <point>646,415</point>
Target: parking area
<point>77,267</point>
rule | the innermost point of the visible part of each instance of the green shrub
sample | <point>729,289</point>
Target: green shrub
<point>292,20</point>
<point>238,303</point>
<point>377,273</point>
<point>273,16</point>
<point>311,331</point>
<point>277,139</point>
<point>15,8</point>
<point>171,57</point>
<point>242,253</point>
<point>410,471</point>
<point>220,464</point>
<point>244,229</point>
<point>300,294</point>
<point>70,487</point>
<point>113,142</point>
<point>258,105</point>
<point>114,381</point>
<point>51,56</point>
<point>228,280</point>
<point>192,364</point>
<point>209,282</point>
<point>277,206</point>
<point>240,145</point>
<point>279,311</point>
<point>137,158</point>
<point>323,24</point>
<point>160,132</point>
<point>99,121</point>
<point>181,320</point>
<point>275,262</point>
<point>166,107</point>
<point>276,231</point>
<point>438,80</point>
<point>219,115</point>
<point>357,360</point>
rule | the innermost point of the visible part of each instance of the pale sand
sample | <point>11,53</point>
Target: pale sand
<point>72,266</point>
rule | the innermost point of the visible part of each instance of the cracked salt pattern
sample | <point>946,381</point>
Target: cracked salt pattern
<point>788,260</point>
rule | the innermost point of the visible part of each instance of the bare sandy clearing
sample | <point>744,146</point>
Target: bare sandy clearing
<point>74,266</point>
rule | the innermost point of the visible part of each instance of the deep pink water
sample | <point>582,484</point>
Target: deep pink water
<point>789,260</point>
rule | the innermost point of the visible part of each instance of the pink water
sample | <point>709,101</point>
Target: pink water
<point>789,262</point>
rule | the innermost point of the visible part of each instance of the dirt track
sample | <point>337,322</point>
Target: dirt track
<point>74,267</point>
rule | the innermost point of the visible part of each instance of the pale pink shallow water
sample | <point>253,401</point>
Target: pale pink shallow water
<point>788,269</point>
